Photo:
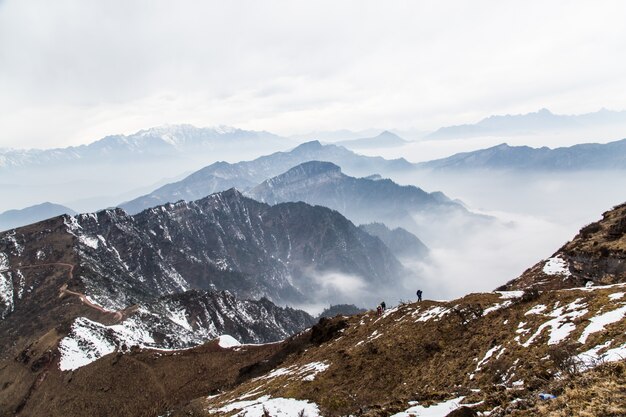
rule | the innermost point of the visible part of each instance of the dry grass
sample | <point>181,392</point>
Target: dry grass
<point>598,393</point>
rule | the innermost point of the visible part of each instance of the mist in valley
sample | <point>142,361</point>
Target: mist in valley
<point>534,215</point>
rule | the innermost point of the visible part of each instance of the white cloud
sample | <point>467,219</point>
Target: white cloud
<point>73,71</point>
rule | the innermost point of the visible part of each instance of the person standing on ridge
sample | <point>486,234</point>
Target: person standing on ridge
<point>383,305</point>
<point>419,295</point>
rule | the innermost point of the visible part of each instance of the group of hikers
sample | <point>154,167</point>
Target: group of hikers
<point>382,306</point>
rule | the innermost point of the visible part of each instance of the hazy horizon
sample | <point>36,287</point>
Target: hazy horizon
<point>72,72</point>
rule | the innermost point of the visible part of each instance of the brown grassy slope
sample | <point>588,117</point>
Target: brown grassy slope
<point>140,383</point>
<point>599,392</point>
<point>597,253</point>
<point>377,365</point>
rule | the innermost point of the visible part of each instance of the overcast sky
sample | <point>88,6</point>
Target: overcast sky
<point>74,71</point>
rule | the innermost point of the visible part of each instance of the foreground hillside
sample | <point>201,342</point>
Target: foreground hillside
<point>496,350</point>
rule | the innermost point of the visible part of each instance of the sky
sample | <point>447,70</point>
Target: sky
<point>74,71</point>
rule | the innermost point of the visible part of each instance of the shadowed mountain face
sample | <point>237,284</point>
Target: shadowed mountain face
<point>288,252</point>
<point>364,200</point>
<point>244,175</point>
<point>596,255</point>
<point>17,218</point>
<point>590,156</point>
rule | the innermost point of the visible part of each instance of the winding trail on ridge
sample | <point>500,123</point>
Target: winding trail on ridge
<point>64,291</point>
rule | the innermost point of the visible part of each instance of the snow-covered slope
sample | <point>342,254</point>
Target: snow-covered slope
<point>181,321</point>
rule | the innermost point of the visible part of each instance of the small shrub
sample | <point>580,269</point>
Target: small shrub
<point>529,295</point>
<point>590,229</point>
<point>564,358</point>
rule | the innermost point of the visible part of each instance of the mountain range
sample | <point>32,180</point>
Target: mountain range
<point>365,200</point>
<point>587,156</point>
<point>120,167</point>
<point>289,253</point>
<point>161,143</point>
<point>244,175</point>
<point>531,123</point>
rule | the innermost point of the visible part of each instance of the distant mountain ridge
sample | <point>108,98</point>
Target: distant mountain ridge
<point>17,218</point>
<point>588,156</point>
<point>247,174</point>
<point>385,139</point>
<point>520,124</point>
<point>161,142</point>
<point>364,200</point>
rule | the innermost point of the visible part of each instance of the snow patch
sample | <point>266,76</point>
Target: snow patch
<point>88,341</point>
<point>560,326</point>
<point>538,309</point>
<point>179,317</point>
<point>487,356</point>
<point>616,296</point>
<point>592,357</point>
<point>4,261</point>
<point>276,407</point>
<point>72,224</point>
<point>598,322</point>
<point>433,313</point>
<point>556,266</point>
<point>312,369</point>
<point>6,293</point>
<point>89,241</point>
<point>510,294</point>
<point>227,341</point>
<point>436,410</point>
<point>497,307</point>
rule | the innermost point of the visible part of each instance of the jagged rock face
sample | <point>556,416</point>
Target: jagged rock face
<point>221,176</point>
<point>362,200</point>
<point>180,321</point>
<point>288,253</point>
<point>596,255</point>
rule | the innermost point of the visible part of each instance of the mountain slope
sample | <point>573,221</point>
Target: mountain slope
<point>597,255</point>
<point>288,252</point>
<point>16,218</point>
<point>364,200</point>
<point>589,156</point>
<point>221,176</point>
<point>490,349</point>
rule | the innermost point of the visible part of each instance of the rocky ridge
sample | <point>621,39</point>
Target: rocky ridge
<point>596,256</point>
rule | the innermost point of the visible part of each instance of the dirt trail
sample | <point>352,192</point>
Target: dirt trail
<point>64,291</point>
